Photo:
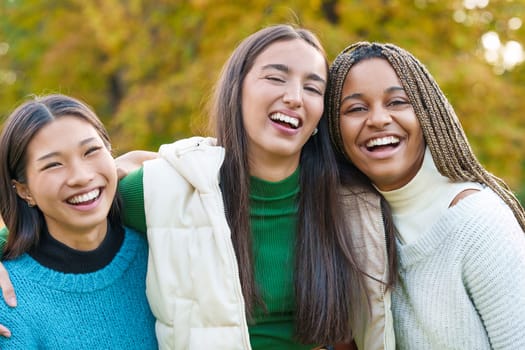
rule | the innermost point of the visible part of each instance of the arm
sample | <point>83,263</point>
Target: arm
<point>3,237</point>
<point>8,291</point>
<point>128,162</point>
<point>494,274</point>
<point>131,190</point>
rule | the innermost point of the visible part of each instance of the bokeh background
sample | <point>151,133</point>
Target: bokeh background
<point>148,66</point>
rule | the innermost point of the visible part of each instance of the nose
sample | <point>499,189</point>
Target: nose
<point>379,117</point>
<point>80,174</point>
<point>293,95</point>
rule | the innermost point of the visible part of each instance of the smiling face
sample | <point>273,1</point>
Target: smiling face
<point>381,133</point>
<point>282,101</point>
<point>71,177</point>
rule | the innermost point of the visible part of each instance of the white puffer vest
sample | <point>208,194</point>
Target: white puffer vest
<point>192,283</point>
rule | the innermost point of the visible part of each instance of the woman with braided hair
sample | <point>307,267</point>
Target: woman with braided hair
<point>459,230</point>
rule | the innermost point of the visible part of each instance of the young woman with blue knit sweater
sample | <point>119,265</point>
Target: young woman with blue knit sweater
<point>460,239</point>
<point>79,275</point>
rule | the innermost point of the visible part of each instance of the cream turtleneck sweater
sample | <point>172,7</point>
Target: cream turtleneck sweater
<point>418,204</point>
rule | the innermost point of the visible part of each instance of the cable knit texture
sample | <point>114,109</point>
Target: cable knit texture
<point>106,309</point>
<point>462,282</point>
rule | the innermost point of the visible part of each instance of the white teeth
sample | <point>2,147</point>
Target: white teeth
<point>285,119</point>
<point>84,197</point>
<point>388,140</point>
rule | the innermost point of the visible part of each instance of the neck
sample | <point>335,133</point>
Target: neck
<point>273,170</point>
<point>78,238</point>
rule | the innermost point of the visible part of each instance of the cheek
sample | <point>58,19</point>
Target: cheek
<point>348,131</point>
<point>317,109</point>
<point>108,167</point>
<point>44,186</point>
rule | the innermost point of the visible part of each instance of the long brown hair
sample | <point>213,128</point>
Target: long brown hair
<point>441,127</point>
<point>324,278</point>
<point>23,222</point>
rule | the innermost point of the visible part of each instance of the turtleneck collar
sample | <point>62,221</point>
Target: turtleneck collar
<point>262,189</point>
<point>59,257</point>
<point>418,204</point>
<point>420,191</point>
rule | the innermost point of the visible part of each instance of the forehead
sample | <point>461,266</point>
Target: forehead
<point>372,71</point>
<point>297,54</point>
<point>61,133</point>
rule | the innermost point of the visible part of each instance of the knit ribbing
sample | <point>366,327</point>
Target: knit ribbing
<point>106,309</point>
<point>458,285</point>
<point>57,256</point>
<point>273,212</point>
<point>273,207</point>
<point>131,191</point>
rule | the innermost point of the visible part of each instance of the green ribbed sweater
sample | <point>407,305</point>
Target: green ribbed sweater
<point>273,214</point>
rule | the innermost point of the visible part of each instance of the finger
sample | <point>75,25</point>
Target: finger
<point>4,332</point>
<point>8,291</point>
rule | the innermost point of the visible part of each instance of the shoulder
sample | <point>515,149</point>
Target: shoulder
<point>134,239</point>
<point>484,205</point>
<point>463,194</point>
<point>180,147</point>
<point>356,196</point>
<point>482,221</point>
<point>21,267</point>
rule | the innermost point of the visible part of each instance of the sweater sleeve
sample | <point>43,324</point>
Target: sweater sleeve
<point>3,237</point>
<point>494,274</point>
<point>131,189</point>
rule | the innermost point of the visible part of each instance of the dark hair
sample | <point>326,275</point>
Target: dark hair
<point>23,222</point>
<point>323,266</point>
<point>442,130</point>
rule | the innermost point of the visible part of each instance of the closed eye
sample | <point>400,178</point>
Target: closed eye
<point>92,150</point>
<point>399,102</point>
<point>274,78</point>
<point>50,165</point>
<point>314,89</point>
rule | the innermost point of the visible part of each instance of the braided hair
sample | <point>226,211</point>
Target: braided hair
<point>441,127</point>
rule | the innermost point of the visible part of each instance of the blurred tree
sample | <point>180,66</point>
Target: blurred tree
<point>148,67</point>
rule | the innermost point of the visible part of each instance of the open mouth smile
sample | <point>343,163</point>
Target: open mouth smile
<point>281,118</point>
<point>382,142</point>
<point>85,198</point>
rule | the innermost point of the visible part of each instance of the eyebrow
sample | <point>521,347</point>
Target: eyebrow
<point>285,69</point>
<point>53,154</point>
<point>359,94</point>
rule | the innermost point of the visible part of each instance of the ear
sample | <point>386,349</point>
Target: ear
<point>22,190</point>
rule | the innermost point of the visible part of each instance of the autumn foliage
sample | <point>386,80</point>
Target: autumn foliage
<point>148,67</point>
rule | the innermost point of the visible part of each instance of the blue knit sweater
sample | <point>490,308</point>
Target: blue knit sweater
<point>105,309</point>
